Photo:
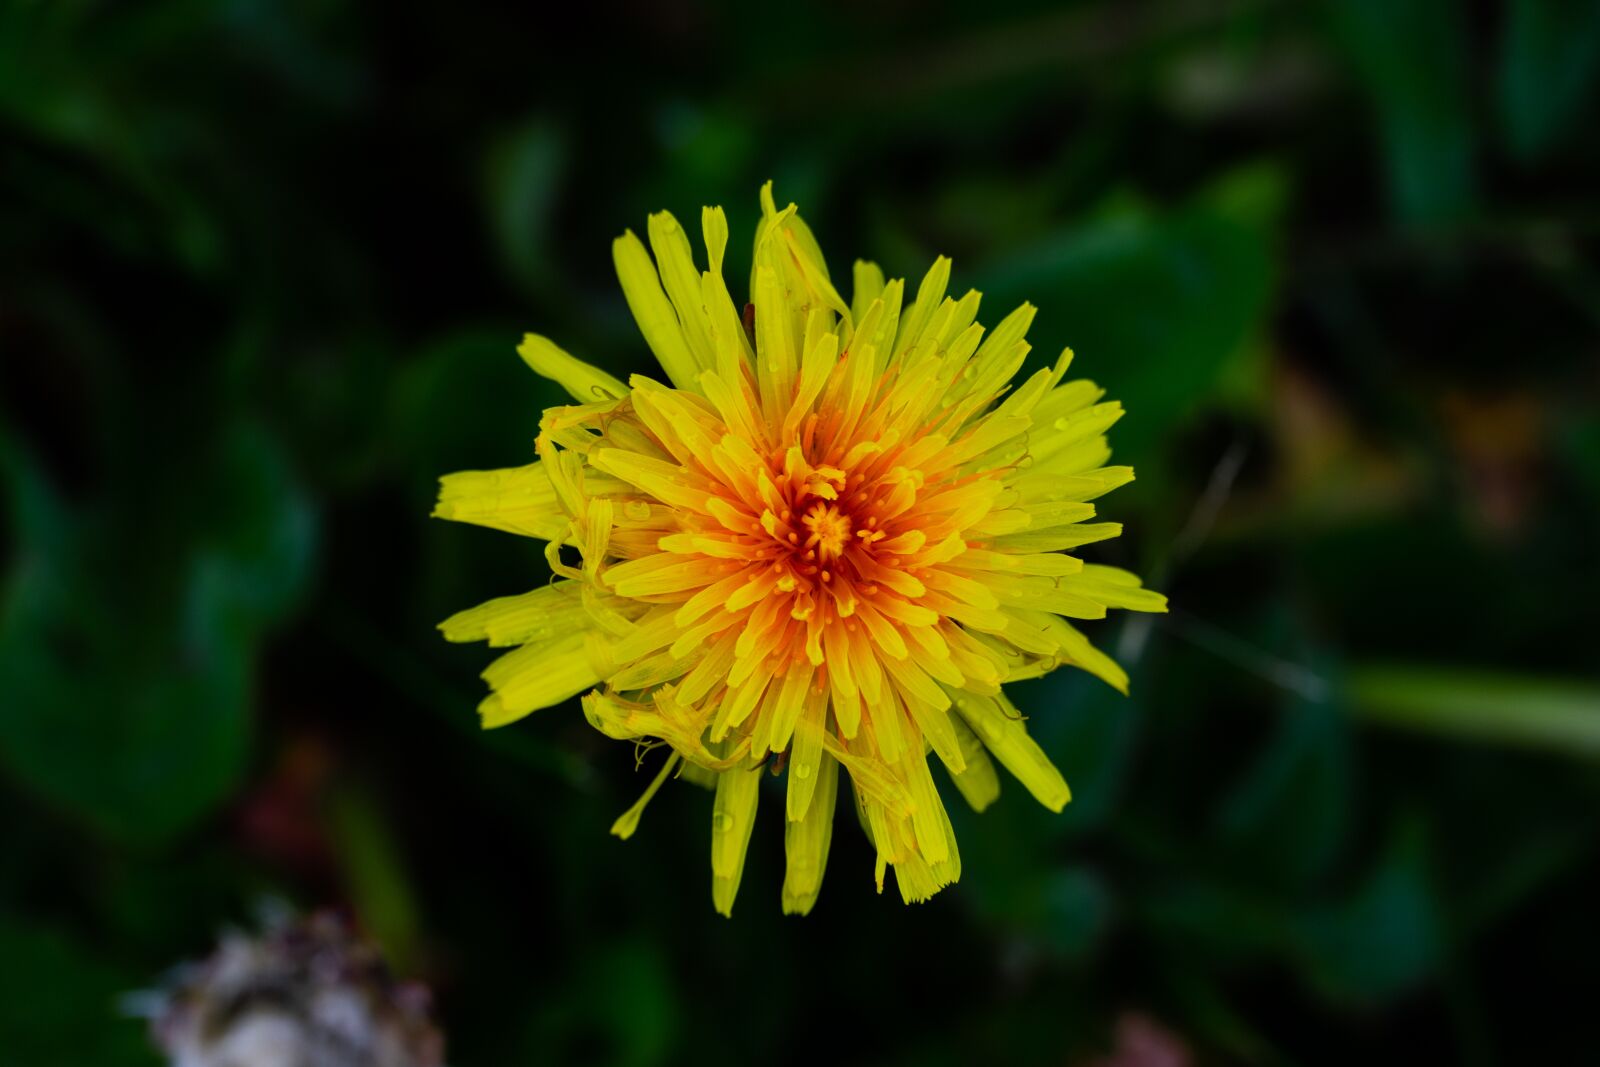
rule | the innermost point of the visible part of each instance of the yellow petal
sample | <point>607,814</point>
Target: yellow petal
<point>628,821</point>
<point>868,279</point>
<point>682,281</point>
<point>930,294</point>
<point>776,344</point>
<point>1000,727</point>
<point>977,779</point>
<point>657,320</point>
<point>806,841</point>
<point>537,676</point>
<point>519,500</point>
<point>805,759</point>
<point>727,329</point>
<point>584,381</point>
<point>733,816</point>
<point>544,613</point>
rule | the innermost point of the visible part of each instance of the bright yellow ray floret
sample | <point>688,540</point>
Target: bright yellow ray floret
<point>823,543</point>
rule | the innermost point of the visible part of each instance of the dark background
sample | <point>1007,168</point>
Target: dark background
<point>263,266</point>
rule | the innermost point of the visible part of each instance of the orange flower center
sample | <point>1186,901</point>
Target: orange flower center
<point>829,530</point>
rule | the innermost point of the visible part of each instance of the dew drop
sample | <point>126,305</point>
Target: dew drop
<point>802,770</point>
<point>721,822</point>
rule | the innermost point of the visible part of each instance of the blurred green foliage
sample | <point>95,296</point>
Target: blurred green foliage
<point>262,270</point>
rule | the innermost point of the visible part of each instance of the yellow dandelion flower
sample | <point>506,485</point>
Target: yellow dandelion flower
<point>824,542</point>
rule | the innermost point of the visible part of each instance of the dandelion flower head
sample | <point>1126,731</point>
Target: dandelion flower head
<point>821,545</point>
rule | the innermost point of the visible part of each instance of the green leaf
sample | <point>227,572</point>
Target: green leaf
<point>1287,818</point>
<point>618,1008</point>
<point>58,1004</point>
<point>1412,60</point>
<point>525,173</point>
<point>1075,911</point>
<point>466,401</point>
<point>1549,56</point>
<point>1210,919</point>
<point>1154,305</point>
<point>128,662</point>
<point>1578,441</point>
<point>1088,730</point>
<point>1561,716</point>
<point>259,538</point>
<point>1065,909</point>
<point>374,873</point>
<point>1381,941</point>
